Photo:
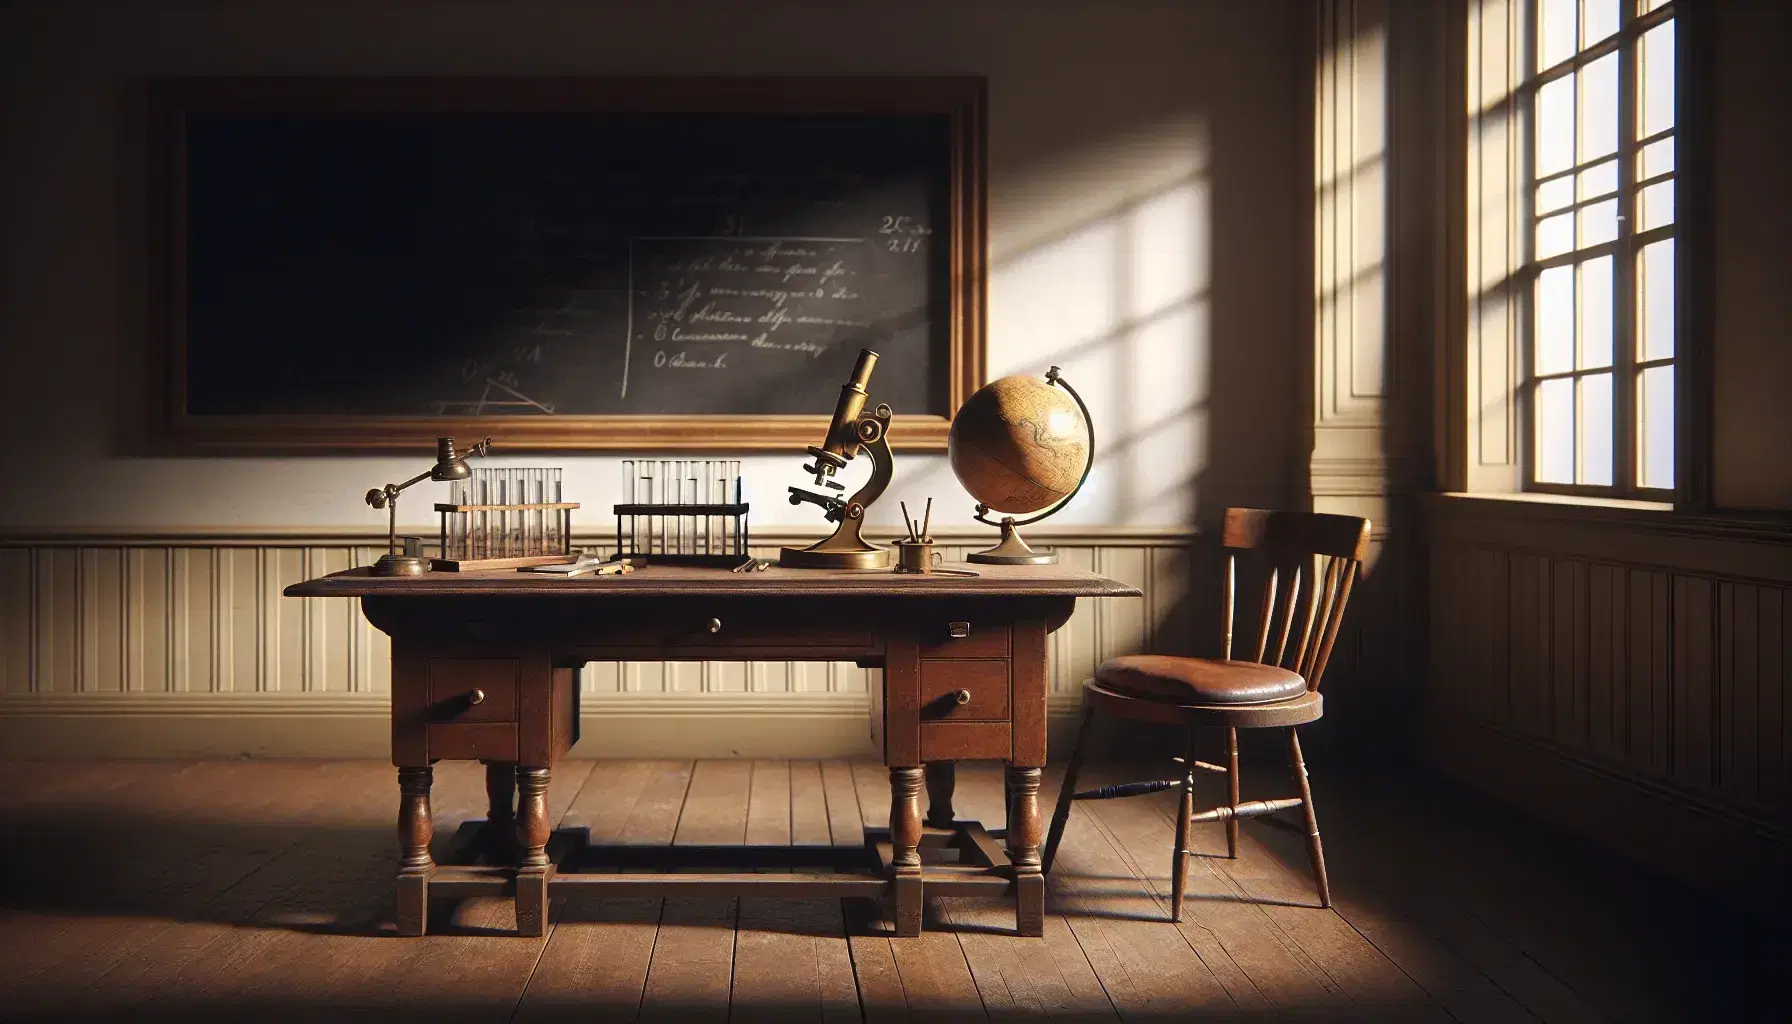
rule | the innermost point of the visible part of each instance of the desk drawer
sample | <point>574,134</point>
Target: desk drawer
<point>473,689</point>
<point>473,741</point>
<point>697,625</point>
<point>980,639</point>
<point>966,741</point>
<point>984,683</point>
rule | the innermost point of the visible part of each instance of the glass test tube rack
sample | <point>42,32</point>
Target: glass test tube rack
<point>505,518</point>
<point>683,512</point>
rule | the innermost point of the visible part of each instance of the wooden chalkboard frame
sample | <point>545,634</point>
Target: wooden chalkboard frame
<point>175,429</point>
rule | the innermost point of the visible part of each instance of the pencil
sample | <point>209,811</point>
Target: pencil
<point>907,523</point>
<point>927,521</point>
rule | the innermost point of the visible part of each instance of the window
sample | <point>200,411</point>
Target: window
<point>1600,271</point>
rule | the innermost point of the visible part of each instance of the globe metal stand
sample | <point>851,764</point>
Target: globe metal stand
<point>1013,550</point>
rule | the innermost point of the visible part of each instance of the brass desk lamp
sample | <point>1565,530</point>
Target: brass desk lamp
<point>851,432</point>
<point>450,465</point>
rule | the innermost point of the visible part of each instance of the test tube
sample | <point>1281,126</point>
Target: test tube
<point>495,539</point>
<point>514,516</point>
<point>557,518</point>
<point>538,518</point>
<point>531,496</point>
<point>666,478</point>
<point>476,520</point>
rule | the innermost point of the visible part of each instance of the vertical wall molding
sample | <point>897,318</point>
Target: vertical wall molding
<point>1347,468</point>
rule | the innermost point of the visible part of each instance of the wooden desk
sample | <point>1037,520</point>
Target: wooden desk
<point>485,667</point>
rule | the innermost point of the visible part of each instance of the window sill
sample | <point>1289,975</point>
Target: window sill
<point>1544,498</point>
<point>1463,514</point>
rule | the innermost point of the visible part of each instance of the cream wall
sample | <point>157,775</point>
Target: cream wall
<point>1145,174</point>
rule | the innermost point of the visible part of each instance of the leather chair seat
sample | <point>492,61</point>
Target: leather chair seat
<point>1199,680</point>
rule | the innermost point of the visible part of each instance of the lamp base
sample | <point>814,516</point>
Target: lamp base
<point>400,565</point>
<point>1013,551</point>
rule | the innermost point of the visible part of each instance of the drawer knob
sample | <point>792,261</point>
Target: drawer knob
<point>958,631</point>
<point>715,625</point>
<point>476,697</point>
<point>962,696</point>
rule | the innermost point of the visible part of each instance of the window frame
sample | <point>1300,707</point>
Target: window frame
<point>1626,366</point>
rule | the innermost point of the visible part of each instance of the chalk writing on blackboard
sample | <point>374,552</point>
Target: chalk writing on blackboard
<point>722,303</point>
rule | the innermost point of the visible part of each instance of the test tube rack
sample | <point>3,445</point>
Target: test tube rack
<point>485,529</point>
<point>683,512</point>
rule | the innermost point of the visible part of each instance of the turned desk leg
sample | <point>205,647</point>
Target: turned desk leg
<point>500,811</point>
<point>1024,836</point>
<point>942,780</point>
<point>905,848</point>
<point>415,830</point>
<point>532,854</point>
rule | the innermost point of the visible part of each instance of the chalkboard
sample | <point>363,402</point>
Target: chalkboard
<point>352,267</point>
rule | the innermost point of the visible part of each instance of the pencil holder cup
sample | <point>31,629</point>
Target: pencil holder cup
<point>916,556</point>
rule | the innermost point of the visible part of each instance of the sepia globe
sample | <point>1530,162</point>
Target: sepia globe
<point>1019,445</point>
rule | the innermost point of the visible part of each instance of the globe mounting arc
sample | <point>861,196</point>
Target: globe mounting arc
<point>1052,376</point>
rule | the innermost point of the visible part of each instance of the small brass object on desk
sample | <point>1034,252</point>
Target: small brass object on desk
<point>450,465</point>
<point>851,432</point>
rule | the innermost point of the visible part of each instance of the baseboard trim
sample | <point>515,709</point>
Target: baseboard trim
<point>356,725</point>
<point>1739,859</point>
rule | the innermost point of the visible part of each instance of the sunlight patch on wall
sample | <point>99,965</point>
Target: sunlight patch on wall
<point>1120,304</point>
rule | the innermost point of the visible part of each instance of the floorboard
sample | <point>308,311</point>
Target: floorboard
<point>263,891</point>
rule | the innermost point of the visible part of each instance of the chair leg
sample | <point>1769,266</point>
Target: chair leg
<point>1061,813</point>
<point>1315,852</point>
<point>1185,809</point>
<point>1232,792</point>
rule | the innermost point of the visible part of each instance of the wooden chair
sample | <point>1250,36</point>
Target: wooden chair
<point>1278,688</point>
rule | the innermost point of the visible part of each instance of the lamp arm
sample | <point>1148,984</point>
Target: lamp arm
<point>393,489</point>
<point>1053,376</point>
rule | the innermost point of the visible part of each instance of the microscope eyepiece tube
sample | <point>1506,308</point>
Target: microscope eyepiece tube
<point>861,371</point>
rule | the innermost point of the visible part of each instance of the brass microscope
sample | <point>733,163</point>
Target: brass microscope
<point>852,431</point>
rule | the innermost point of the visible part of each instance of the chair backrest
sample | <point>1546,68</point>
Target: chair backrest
<point>1300,547</point>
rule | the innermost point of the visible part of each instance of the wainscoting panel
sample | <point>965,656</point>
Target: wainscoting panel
<point>1646,651</point>
<point>178,640</point>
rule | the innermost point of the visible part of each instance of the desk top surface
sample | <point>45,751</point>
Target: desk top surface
<point>686,581</point>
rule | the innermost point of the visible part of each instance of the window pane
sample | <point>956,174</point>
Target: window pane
<point>1655,79</point>
<point>1599,20</point>
<point>1555,321</point>
<point>1555,32</point>
<point>1554,432</point>
<point>1599,108</point>
<point>1655,300</point>
<point>1599,180</point>
<point>1555,126</point>
<point>1596,430</point>
<point>1599,223</point>
<point>1655,158</point>
<point>1596,313</point>
<point>1655,427</point>
<point>1555,236</point>
<point>1655,206</point>
<point>1553,195</point>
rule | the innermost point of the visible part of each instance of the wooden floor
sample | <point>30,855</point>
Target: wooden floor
<point>263,891</point>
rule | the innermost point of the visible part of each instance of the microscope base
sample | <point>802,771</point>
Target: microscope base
<point>811,558</point>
